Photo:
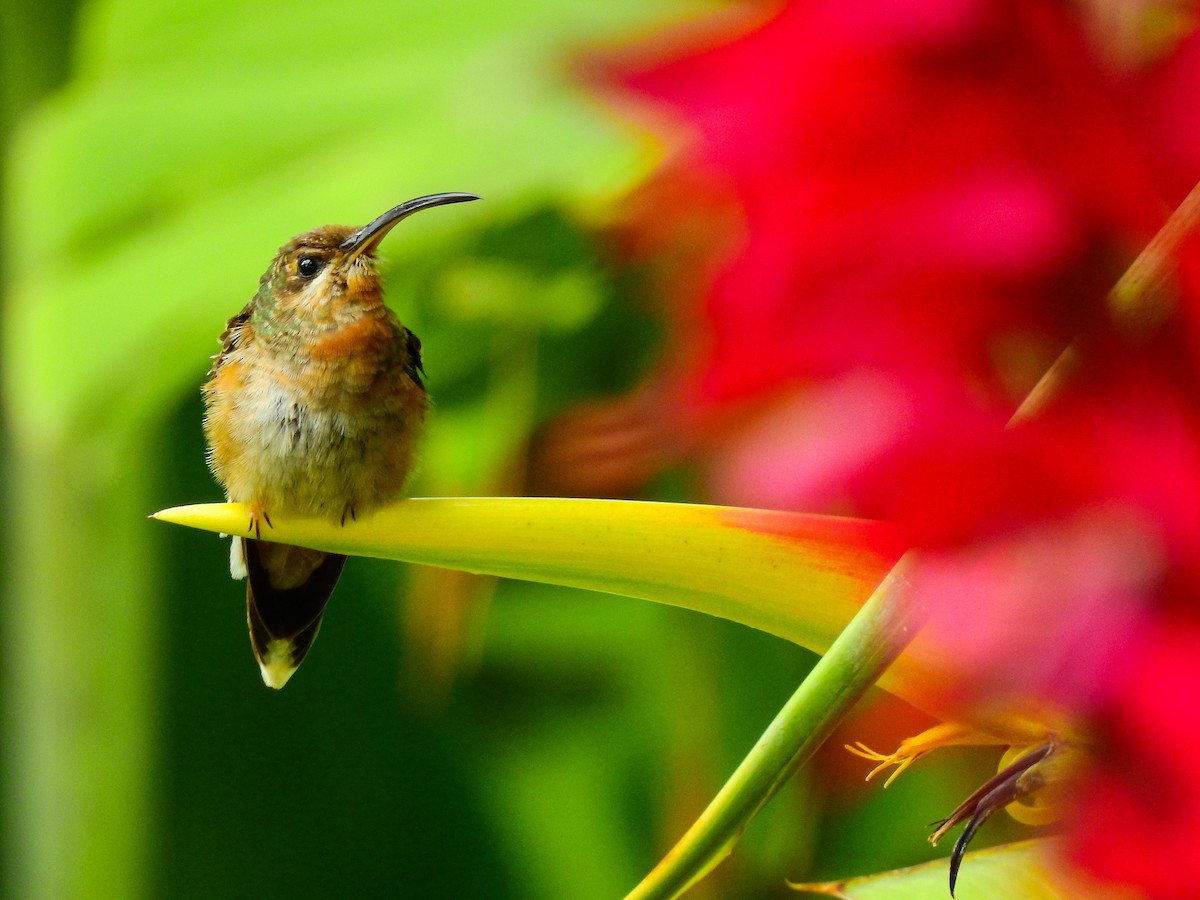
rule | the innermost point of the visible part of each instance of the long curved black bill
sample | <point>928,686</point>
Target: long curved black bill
<point>369,236</point>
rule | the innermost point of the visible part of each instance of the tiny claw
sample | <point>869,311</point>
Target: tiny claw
<point>257,517</point>
<point>350,511</point>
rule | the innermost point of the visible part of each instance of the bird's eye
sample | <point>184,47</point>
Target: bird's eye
<point>308,266</point>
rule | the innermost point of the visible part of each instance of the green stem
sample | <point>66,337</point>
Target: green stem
<point>1146,296</point>
<point>880,631</point>
<point>1142,301</point>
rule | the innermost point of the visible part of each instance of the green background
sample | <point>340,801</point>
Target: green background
<point>447,737</point>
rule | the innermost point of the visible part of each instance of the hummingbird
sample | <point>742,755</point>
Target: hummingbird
<point>313,407</point>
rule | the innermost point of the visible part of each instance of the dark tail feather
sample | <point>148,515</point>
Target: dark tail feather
<point>284,621</point>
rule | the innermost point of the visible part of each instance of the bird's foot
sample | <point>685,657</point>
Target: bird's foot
<point>258,515</point>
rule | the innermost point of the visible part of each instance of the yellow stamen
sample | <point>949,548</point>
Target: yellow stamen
<point>947,734</point>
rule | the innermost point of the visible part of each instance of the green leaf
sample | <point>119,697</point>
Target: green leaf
<point>1015,871</point>
<point>216,130</point>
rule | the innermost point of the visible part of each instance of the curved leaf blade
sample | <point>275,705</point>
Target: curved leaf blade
<point>799,576</point>
<point>1019,870</point>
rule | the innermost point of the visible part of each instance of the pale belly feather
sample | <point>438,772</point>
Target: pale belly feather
<point>337,456</point>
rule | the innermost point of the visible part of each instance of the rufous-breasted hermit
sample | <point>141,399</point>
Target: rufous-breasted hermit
<point>313,408</point>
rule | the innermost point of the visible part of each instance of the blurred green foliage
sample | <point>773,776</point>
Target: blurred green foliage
<point>576,735</point>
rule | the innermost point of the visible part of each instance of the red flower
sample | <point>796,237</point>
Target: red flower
<point>1137,819</point>
<point>915,177</point>
<point>936,198</point>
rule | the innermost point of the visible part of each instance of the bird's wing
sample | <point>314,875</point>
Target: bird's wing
<point>230,339</point>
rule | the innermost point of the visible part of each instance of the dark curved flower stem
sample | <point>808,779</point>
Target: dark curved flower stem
<point>1009,784</point>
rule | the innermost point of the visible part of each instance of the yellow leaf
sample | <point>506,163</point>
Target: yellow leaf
<point>801,577</point>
